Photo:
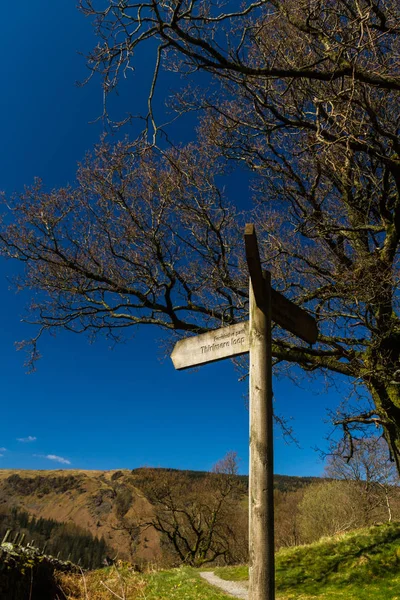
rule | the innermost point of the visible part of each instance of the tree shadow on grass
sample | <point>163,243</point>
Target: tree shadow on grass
<point>350,560</point>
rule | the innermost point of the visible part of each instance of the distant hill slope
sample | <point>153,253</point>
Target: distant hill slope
<point>99,501</point>
<point>87,498</point>
<point>284,483</point>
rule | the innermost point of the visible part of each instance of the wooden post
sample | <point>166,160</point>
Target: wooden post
<point>261,499</point>
<point>265,303</point>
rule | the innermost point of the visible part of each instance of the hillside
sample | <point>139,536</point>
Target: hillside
<point>89,499</point>
<point>360,565</point>
<point>105,503</point>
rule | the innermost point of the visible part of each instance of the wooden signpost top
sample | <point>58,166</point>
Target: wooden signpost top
<point>283,311</point>
<point>234,340</point>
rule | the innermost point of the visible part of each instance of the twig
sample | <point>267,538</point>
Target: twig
<point>84,583</point>
<point>112,592</point>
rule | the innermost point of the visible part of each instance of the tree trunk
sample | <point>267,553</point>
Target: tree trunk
<point>387,403</point>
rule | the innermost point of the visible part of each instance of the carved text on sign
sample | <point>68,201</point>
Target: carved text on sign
<point>209,347</point>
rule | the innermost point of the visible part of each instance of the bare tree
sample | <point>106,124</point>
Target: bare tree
<point>200,517</point>
<point>306,96</point>
<point>328,508</point>
<point>287,517</point>
<point>229,465</point>
<point>141,239</point>
<point>259,42</point>
<point>367,464</point>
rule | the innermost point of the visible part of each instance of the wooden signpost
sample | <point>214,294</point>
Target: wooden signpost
<point>254,337</point>
<point>209,347</point>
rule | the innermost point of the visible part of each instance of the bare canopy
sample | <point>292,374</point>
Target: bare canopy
<point>303,94</point>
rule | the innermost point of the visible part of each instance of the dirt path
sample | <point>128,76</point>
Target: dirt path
<point>234,588</point>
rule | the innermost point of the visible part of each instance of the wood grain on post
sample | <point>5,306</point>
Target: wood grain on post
<point>253,263</point>
<point>293,318</point>
<point>261,498</point>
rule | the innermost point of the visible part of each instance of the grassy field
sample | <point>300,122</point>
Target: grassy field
<point>177,584</point>
<point>359,566</point>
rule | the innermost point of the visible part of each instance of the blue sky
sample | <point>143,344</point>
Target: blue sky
<point>89,406</point>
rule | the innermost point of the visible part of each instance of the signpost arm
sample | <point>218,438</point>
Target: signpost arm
<point>261,500</point>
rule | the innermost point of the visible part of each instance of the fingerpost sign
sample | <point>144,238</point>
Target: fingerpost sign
<point>254,336</point>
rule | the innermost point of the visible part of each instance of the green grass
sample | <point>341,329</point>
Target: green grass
<point>180,584</point>
<point>239,573</point>
<point>110,583</point>
<point>361,565</point>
